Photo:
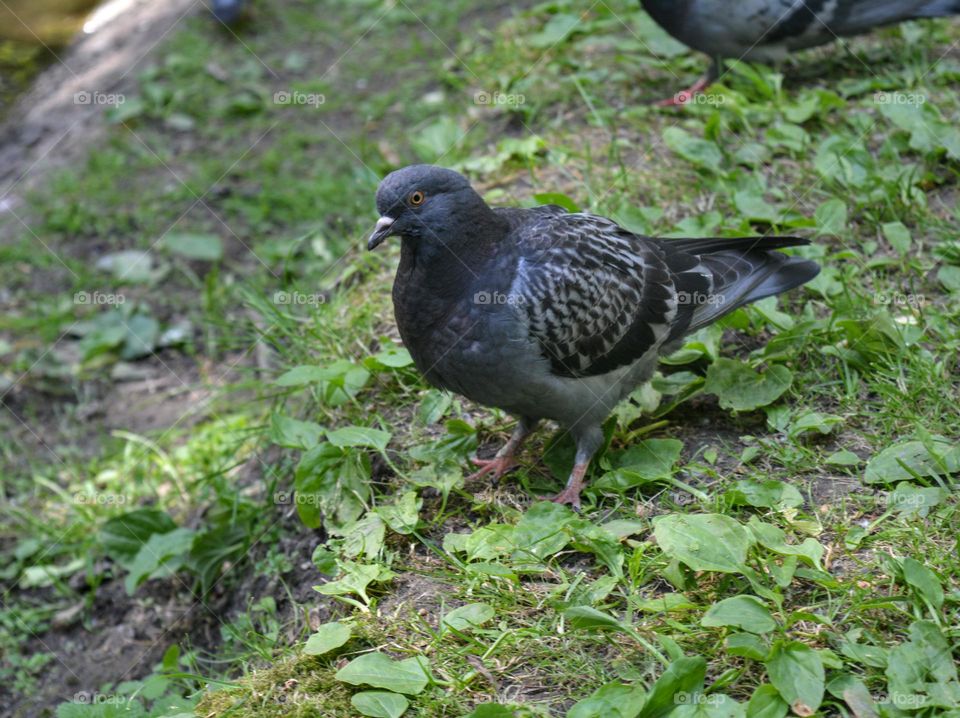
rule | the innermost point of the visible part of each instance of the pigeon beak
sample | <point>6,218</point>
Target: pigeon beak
<point>380,232</point>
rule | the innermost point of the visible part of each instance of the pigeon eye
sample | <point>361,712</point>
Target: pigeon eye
<point>416,198</point>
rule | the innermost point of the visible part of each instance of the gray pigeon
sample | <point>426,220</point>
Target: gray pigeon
<point>767,30</point>
<point>549,314</point>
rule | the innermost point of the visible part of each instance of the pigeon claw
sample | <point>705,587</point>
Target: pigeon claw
<point>685,96</point>
<point>570,495</point>
<point>497,467</point>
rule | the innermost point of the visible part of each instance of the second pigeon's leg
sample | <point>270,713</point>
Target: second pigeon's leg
<point>504,461</point>
<point>588,441</point>
<point>684,96</point>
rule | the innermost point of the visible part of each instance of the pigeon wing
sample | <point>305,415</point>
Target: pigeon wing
<point>596,297</point>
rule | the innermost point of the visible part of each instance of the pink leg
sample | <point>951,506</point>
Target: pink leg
<point>684,96</point>
<point>496,467</point>
<point>503,461</point>
<point>571,493</point>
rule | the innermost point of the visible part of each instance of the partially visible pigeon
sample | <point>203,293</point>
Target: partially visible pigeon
<point>767,30</point>
<point>227,11</point>
<point>549,314</point>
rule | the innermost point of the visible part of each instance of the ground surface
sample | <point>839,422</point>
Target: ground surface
<point>206,412</point>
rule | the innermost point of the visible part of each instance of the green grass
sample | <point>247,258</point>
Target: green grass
<point>322,436</point>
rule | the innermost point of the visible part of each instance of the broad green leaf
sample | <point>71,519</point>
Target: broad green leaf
<point>590,538</point>
<point>359,436</point>
<point>464,618</point>
<point>813,421</point>
<point>704,542</point>
<point>403,514</point>
<point>614,700</point>
<point>696,151</point>
<point>645,461</point>
<point>408,676</point>
<point>557,29</point>
<point>337,382</point>
<point>589,618</point>
<point>302,375</point>
<point>855,694</point>
<point>898,236</point>
<point>212,549</point>
<point>771,494</point>
<point>491,710</point>
<point>434,406</point>
<point>43,575</point>
<point>355,579</point>
<point>713,705</point>
<point>293,433</point>
<point>142,333</point>
<point>752,205</point>
<point>331,485</point>
<point>949,277</point>
<point>681,681</point>
<point>740,388</point>
<point>775,539</point>
<point>831,217</point>
<point>922,671</point>
<point>747,645</point>
<point>843,458</point>
<point>364,538</point>
<point>162,555</point>
<point>380,704</point>
<point>904,461</point>
<point>132,265</point>
<point>394,357</point>
<point>796,671</point>
<point>559,199</point>
<point>123,536</point>
<point>326,638</point>
<point>540,532</point>
<point>924,581</point>
<point>207,247</point>
<point>667,603</point>
<point>766,703</point>
<point>873,656</point>
<point>908,499</point>
<point>747,613</point>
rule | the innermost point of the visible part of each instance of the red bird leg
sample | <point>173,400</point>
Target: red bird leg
<point>503,461</point>
<point>588,439</point>
<point>571,492</point>
<point>684,96</point>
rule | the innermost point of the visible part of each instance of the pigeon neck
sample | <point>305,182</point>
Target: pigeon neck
<point>669,14</point>
<point>449,263</point>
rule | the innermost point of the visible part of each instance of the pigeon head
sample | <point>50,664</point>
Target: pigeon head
<point>423,202</point>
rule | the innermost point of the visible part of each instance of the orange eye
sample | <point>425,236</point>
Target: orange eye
<point>416,198</point>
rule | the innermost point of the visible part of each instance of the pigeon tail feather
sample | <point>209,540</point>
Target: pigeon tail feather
<point>769,273</point>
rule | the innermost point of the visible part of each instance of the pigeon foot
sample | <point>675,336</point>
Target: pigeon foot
<point>571,492</point>
<point>685,96</point>
<point>497,467</point>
